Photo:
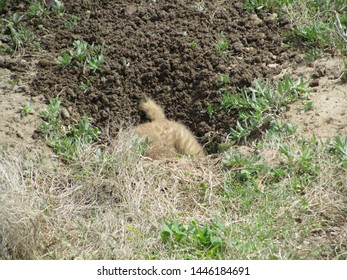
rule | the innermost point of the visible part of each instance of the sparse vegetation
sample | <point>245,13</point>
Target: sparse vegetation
<point>259,104</point>
<point>68,142</point>
<point>317,25</point>
<point>285,200</point>
<point>20,35</point>
<point>83,55</point>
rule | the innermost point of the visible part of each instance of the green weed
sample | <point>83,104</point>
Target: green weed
<point>36,9</point>
<point>339,147</point>
<point>82,54</point>
<point>308,105</point>
<point>4,4</point>
<point>71,23</point>
<point>224,79</point>
<point>253,5</point>
<point>256,105</point>
<point>59,8</point>
<point>221,46</point>
<point>21,36</point>
<point>86,86</point>
<point>344,71</point>
<point>199,6</point>
<point>278,129</point>
<point>318,26</point>
<point>245,171</point>
<point>95,63</point>
<point>312,54</point>
<point>210,109</point>
<point>193,240</point>
<point>312,37</point>
<point>26,109</point>
<point>193,45</point>
<point>64,60</point>
<point>67,142</point>
<point>301,163</point>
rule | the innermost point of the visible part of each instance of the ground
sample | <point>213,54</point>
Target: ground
<point>171,51</point>
<point>149,53</point>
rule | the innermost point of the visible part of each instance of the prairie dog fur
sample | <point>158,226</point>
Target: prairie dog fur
<point>166,138</point>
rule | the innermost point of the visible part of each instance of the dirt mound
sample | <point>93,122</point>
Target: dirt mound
<point>164,50</point>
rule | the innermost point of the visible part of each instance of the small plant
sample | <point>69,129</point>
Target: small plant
<point>71,23</point>
<point>344,71</point>
<point>59,8</point>
<point>94,63</point>
<point>301,162</point>
<point>278,129</point>
<point>86,85</point>
<point>308,105</point>
<point>339,147</point>
<point>83,54</point>
<point>80,50</point>
<point>199,6</point>
<point>244,169</point>
<point>64,60</point>
<point>224,79</point>
<point>20,35</point>
<point>4,4</point>
<point>16,19</point>
<point>313,53</point>
<point>313,36</point>
<point>210,109</point>
<point>51,117</point>
<point>197,241</point>
<point>193,45</point>
<point>221,46</point>
<point>13,82</point>
<point>67,142</point>
<point>36,9</point>
<point>126,62</point>
<point>26,109</point>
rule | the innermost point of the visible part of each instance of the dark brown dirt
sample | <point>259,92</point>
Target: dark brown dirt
<point>154,38</point>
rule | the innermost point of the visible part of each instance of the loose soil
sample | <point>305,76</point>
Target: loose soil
<point>149,53</point>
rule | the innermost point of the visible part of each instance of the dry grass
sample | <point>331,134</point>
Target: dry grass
<point>108,205</point>
<point>113,204</point>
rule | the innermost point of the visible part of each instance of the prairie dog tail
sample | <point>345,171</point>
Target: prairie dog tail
<point>153,111</point>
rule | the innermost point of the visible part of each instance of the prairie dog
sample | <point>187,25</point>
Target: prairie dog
<point>166,138</point>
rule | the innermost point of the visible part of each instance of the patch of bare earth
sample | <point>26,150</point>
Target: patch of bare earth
<point>328,117</point>
<point>17,132</point>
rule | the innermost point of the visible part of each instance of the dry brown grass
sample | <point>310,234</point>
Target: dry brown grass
<point>112,205</point>
<point>108,205</point>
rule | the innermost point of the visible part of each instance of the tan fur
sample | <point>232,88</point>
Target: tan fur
<point>166,138</point>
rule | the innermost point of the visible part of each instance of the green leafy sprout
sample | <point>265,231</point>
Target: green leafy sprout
<point>26,109</point>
